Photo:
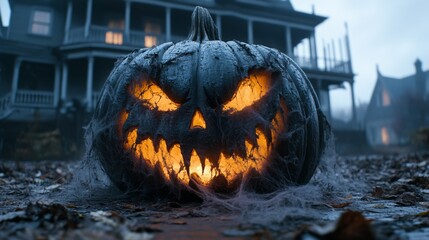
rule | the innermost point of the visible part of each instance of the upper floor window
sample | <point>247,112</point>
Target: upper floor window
<point>386,98</point>
<point>152,30</point>
<point>115,36</point>
<point>41,22</point>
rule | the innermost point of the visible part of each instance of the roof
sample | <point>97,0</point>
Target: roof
<point>399,86</point>
<point>271,9</point>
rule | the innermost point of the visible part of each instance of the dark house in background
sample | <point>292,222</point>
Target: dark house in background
<point>398,108</point>
<point>58,53</point>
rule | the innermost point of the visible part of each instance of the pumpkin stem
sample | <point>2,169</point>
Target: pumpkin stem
<point>202,27</point>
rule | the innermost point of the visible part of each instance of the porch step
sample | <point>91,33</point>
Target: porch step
<point>5,114</point>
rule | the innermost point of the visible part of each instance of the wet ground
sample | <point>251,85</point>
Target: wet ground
<point>360,197</point>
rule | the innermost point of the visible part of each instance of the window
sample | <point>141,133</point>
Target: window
<point>41,22</point>
<point>385,136</point>
<point>386,99</point>
<point>115,37</point>
<point>151,30</point>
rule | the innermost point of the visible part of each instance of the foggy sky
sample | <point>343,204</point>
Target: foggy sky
<point>390,33</point>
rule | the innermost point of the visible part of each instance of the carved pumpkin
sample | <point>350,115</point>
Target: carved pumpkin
<point>204,113</point>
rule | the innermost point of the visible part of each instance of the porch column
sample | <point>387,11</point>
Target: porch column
<point>88,17</point>
<point>57,85</point>
<point>289,50</point>
<point>167,24</point>
<point>250,31</point>
<point>65,74</point>
<point>313,48</point>
<point>352,89</point>
<point>127,21</point>
<point>329,107</point>
<point>349,53</point>
<point>219,25</point>
<point>15,79</point>
<point>68,20</point>
<point>89,81</point>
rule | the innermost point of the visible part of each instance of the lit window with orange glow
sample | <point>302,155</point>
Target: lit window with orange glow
<point>114,38</point>
<point>151,29</point>
<point>386,99</point>
<point>150,41</point>
<point>385,136</point>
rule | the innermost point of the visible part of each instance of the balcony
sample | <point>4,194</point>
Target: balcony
<point>140,39</point>
<point>324,64</point>
<point>104,35</point>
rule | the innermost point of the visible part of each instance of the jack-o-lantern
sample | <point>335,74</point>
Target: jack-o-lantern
<point>207,114</point>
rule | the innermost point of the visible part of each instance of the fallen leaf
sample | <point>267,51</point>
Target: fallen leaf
<point>178,222</point>
<point>352,225</point>
<point>341,205</point>
<point>377,192</point>
<point>423,214</point>
<point>408,199</point>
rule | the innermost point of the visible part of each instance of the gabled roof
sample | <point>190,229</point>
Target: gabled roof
<point>397,87</point>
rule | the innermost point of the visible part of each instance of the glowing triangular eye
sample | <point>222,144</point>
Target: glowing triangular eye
<point>152,96</point>
<point>250,90</point>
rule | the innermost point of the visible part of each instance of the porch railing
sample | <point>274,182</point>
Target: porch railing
<point>34,99</point>
<point>100,34</point>
<point>323,64</point>
<point>31,98</point>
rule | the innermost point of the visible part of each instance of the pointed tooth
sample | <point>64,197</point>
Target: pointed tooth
<point>186,155</point>
<point>156,142</point>
<point>214,159</point>
<point>170,145</point>
<point>202,158</point>
<point>195,165</point>
<point>175,158</point>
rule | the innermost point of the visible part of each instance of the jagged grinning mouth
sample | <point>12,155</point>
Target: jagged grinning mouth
<point>172,163</point>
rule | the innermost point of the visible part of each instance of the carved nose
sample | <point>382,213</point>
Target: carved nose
<point>198,120</point>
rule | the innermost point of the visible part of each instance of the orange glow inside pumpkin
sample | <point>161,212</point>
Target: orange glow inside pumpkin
<point>198,120</point>
<point>171,161</point>
<point>152,96</point>
<point>250,90</point>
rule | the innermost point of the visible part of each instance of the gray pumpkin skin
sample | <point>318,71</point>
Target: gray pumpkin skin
<point>204,75</point>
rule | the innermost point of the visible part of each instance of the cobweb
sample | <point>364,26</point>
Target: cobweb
<point>329,184</point>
